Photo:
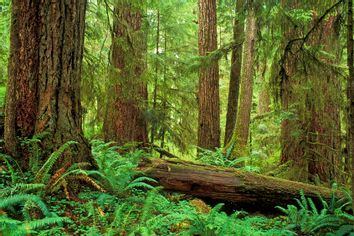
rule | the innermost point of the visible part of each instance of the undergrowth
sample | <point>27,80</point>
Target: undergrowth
<point>119,200</point>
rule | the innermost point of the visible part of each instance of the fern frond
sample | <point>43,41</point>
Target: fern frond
<point>312,206</point>
<point>88,180</point>
<point>36,224</point>
<point>4,220</point>
<point>20,188</point>
<point>43,172</point>
<point>139,183</point>
<point>15,199</point>
<point>7,160</point>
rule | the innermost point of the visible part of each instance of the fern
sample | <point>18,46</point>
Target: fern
<point>9,226</point>
<point>32,145</point>
<point>139,183</point>
<point>309,220</point>
<point>29,227</point>
<point>7,160</point>
<point>219,157</point>
<point>116,172</point>
<point>72,174</point>
<point>16,199</point>
<point>42,174</point>
<point>20,188</point>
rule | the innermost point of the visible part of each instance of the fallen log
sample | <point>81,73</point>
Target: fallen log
<point>228,184</point>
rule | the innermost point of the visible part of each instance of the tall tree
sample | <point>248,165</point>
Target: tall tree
<point>154,102</point>
<point>208,91</point>
<point>241,131</point>
<point>264,96</point>
<point>323,131</point>
<point>291,147</point>
<point>235,73</point>
<point>311,135</point>
<point>350,86</point>
<point>43,91</point>
<point>124,121</point>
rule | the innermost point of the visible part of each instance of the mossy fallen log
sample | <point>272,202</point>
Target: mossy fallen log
<point>228,184</point>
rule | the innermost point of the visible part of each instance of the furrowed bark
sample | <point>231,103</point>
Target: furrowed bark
<point>228,184</point>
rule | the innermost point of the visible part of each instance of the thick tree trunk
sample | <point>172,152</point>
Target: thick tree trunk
<point>292,148</point>
<point>43,92</point>
<point>311,138</point>
<point>235,74</point>
<point>228,184</point>
<point>241,131</point>
<point>323,135</point>
<point>23,69</point>
<point>208,94</point>
<point>124,121</point>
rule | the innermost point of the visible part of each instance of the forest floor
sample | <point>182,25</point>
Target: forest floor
<point>116,199</point>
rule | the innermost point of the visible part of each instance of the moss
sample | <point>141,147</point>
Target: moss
<point>2,96</point>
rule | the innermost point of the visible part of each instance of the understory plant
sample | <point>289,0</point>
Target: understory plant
<point>307,219</point>
<point>116,171</point>
<point>35,215</point>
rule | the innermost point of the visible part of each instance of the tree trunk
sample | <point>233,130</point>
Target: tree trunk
<point>324,135</point>
<point>124,121</point>
<point>43,92</point>
<point>235,73</point>
<point>291,137</point>
<point>311,135</point>
<point>208,94</point>
<point>264,96</point>
<point>350,86</point>
<point>154,103</point>
<point>241,131</point>
<point>228,184</point>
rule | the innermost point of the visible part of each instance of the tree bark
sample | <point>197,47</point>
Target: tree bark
<point>43,92</point>
<point>154,102</point>
<point>208,94</point>
<point>350,86</point>
<point>311,136</point>
<point>324,132</point>
<point>241,131</point>
<point>292,148</point>
<point>235,74</point>
<point>228,184</point>
<point>264,96</point>
<point>124,121</point>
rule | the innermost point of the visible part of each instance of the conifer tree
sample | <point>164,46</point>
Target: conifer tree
<point>124,121</point>
<point>43,90</point>
<point>208,91</point>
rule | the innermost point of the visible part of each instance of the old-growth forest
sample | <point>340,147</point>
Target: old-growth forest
<point>176,117</point>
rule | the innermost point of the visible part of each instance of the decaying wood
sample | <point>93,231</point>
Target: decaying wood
<point>228,184</point>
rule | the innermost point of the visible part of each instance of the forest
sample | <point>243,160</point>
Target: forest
<point>176,117</point>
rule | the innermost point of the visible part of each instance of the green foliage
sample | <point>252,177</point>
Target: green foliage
<point>117,171</point>
<point>219,157</point>
<point>223,157</point>
<point>33,147</point>
<point>127,203</point>
<point>307,219</point>
<point>20,188</point>
<point>43,174</point>
<point>10,226</point>
<point>10,164</point>
<point>5,12</point>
